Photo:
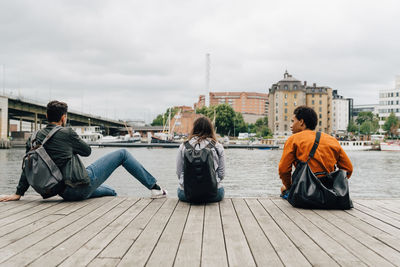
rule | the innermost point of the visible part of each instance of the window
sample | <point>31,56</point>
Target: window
<point>294,103</point>
<point>312,95</point>
<point>285,95</point>
<point>285,127</point>
<point>320,96</point>
<point>312,102</point>
<point>320,102</point>
<point>285,118</point>
<point>285,110</point>
<point>285,87</point>
<point>295,88</point>
<point>285,103</point>
<point>320,116</point>
<point>320,109</point>
<point>295,95</point>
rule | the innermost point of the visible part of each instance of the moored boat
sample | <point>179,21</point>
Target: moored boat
<point>390,146</point>
<point>356,145</point>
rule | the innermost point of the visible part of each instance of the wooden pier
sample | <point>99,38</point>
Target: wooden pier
<point>122,231</point>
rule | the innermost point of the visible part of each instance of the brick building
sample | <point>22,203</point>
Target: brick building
<point>243,102</point>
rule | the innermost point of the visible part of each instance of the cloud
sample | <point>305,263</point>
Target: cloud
<point>133,59</point>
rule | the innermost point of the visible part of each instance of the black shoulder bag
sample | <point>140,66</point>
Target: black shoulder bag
<point>310,192</point>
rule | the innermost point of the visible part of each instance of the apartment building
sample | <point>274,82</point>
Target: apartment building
<point>288,94</point>
<point>340,112</point>
<point>389,102</point>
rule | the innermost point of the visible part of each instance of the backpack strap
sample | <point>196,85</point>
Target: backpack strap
<point>315,146</point>
<point>51,133</point>
<point>33,137</point>
<point>212,144</point>
<point>187,145</point>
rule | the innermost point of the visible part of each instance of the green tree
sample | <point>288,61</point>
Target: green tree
<point>367,128</point>
<point>391,124</point>
<point>364,116</point>
<point>352,127</point>
<point>224,119</point>
<point>261,127</point>
<point>239,124</point>
<point>161,119</point>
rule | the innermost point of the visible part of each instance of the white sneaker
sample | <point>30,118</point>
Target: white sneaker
<point>159,193</point>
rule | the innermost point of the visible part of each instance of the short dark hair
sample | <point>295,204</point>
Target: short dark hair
<point>55,110</point>
<point>203,128</point>
<point>308,115</point>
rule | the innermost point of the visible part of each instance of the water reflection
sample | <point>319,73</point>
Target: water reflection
<point>249,173</point>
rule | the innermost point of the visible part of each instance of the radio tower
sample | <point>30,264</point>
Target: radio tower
<point>208,66</point>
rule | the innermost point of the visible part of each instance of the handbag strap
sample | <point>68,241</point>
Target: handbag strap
<point>315,146</point>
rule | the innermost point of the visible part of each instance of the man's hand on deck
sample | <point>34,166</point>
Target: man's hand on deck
<point>12,197</point>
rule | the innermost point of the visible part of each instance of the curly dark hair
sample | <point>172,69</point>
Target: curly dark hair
<point>55,110</point>
<point>308,115</point>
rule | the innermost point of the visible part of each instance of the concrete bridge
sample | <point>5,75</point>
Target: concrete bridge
<point>27,110</point>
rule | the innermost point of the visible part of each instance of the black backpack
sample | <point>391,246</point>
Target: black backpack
<point>200,182</point>
<point>40,170</point>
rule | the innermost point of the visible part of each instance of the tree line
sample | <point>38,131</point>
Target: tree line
<point>366,123</point>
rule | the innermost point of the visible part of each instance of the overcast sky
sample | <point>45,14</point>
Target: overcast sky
<point>133,59</point>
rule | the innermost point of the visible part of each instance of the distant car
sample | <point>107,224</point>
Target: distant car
<point>243,136</point>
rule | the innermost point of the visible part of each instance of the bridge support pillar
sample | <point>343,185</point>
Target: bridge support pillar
<point>3,117</point>
<point>36,122</point>
<point>20,124</point>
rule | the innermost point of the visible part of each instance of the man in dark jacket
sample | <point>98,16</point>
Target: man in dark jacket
<point>79,182</point>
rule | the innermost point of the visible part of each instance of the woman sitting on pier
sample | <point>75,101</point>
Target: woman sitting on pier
<point>201,165</point>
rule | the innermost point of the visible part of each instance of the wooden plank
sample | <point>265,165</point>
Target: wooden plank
<point>19,208</point>
<point>12,226</point>
<point>53,240</point>
<point>104,262</point>
<point>391,205</point>
<point>141,250</point>
<point>334,249</point>
<point>121,244</point>
<point>213,250</point>
<point>4,206</point>
<point>284,247</point>
<point>298,236</point>
<point>84,255</point>
<point>378,207</point>
<point>382,225</point>
<point>262,250</point>
<point>31,239</point>
<point>19,229</point>
<point>189,251</point>
<point>378,215</point>
<point>357,248</point>
<point>391,240</point>
<point>372,243</point>
<point>26,213</point>
<point>165,251</point>
<point>75,241</point>
<point>237,249</point>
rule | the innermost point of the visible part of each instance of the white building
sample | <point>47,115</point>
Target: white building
<point>340,113</point>
<point>389,101</point>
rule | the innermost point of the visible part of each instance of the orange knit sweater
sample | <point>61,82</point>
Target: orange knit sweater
<point>329,153</point>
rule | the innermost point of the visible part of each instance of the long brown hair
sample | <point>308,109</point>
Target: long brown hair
<point>202,129</point>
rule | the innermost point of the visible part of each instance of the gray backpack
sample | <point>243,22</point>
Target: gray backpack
<point>40,170</point>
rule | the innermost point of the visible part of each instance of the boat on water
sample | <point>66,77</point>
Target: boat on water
<point>356,145</point>
<point>128,138</point>
<point>88,133</point>
<point>390,146</point>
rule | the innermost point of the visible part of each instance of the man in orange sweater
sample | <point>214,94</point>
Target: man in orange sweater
<point>298,146</point>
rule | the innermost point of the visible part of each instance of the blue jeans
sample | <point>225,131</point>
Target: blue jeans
<point>101,169</point>
<point>219,197</point>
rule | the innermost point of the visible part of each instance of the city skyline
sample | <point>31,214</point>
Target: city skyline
<point>133,60</point>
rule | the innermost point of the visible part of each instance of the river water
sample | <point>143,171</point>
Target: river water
<point>249,173</point>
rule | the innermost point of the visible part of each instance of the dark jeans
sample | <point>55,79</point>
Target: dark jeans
<point>101,169</point>
<point>220,196</point>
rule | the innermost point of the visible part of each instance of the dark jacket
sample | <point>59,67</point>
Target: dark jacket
<point>63,148</point>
